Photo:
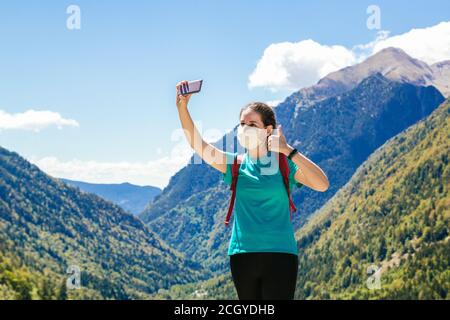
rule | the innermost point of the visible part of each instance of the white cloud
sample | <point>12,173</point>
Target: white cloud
<point>33,120</point>
<point>292,66</point>
<point>428,44</point>
<point>155,173</point>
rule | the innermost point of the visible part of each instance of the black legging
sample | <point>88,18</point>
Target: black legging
<point>264,275</point>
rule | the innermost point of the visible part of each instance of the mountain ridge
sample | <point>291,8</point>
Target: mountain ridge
<point>47,226</point>
<point>392,63</point>
<point>393,215</point>
<point>130,197</point>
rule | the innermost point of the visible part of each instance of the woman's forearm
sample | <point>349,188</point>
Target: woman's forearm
<point>311,173</point>
<point>192,135</point>
<point>208,152</point>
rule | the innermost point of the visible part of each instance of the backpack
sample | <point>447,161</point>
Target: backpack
<point>284,169</point>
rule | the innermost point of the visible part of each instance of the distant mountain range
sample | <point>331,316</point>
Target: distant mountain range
<point>47,226</point>
<point>337,124</point>
<point>131,198</point>
<point>384,235</point>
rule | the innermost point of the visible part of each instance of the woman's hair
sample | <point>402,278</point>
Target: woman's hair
<point>266,112</point>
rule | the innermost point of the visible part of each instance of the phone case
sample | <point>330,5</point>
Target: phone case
<point>192,87</point>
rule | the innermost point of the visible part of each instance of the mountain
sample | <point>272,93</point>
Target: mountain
<point>393,216</point>
<point>392,63</point>
<point>441,76</point>
<point>130,197</point>
<point>337,133</point>
<point>47,226</point>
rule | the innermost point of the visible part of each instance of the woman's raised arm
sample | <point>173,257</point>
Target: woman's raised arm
<point>209,153</point>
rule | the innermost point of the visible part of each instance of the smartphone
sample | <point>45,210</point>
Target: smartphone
<point>191,87</point>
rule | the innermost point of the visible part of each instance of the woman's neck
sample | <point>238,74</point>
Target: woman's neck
<point>258,152</point>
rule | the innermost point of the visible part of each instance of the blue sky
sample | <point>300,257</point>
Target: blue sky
<point>116,76</point>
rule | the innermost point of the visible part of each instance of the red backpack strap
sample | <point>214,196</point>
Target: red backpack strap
<point>234,173</point>
<point>284,169</point>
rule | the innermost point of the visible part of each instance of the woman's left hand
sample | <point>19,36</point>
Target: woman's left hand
<point>277,142</point>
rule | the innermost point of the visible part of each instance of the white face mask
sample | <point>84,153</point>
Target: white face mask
<point>251,137</point>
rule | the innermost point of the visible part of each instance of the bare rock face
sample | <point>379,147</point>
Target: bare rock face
<point>392,63</point>
<point>441,77</point>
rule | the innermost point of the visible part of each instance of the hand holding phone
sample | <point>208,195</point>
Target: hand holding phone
<point>185,89</point>
<point>190,87</point>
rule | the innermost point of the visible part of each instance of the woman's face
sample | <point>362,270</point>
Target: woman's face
<point>253,119</point>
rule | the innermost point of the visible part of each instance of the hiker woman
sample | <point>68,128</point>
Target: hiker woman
<point>262,250</point>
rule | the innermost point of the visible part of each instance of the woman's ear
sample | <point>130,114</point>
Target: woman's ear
<point>270,129</point>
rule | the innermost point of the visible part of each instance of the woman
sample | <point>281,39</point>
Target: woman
<point>262,250</point>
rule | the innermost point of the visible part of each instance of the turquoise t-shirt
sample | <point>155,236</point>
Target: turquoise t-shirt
<point>261,218</point>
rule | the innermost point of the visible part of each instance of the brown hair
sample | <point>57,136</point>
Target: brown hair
<point>266,112</point>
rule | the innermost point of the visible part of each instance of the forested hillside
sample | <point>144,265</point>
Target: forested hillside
<point>47,226</point>
<point>394,214</point>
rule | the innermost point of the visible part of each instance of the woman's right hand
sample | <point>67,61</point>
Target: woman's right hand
<point>182,100</point>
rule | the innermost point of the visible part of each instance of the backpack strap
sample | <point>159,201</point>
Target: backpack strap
<point>235,173</point>
<point>284,169</point>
